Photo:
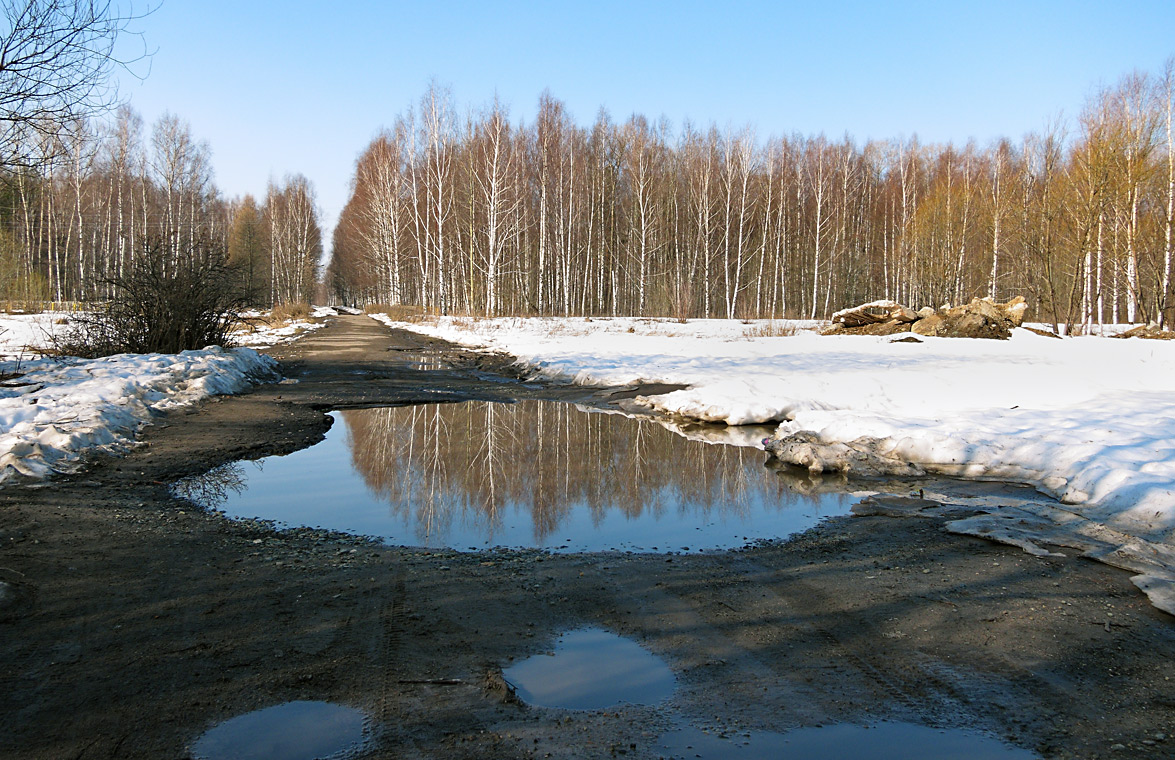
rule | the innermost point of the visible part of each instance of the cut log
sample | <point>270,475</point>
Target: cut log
<point>874,313</point>
<point>982,318</point>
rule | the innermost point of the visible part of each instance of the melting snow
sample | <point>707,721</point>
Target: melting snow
<point>53,411</point>
<point>1090,421</point>
<point>60,409</point>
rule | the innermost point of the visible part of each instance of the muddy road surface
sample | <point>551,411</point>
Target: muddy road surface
<point>132,622</point>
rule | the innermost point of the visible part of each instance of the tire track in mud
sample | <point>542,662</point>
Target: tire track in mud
<point>372,636</point>
<point>791,605</point>
<point>391,634</point>
<point>918,686</point>
<point>711,657</point>
<point>760,648</point>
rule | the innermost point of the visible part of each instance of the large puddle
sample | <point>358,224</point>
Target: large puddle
<point>477,475</point>
<point>290,731</point>
<point>591,669</point>
<point>881,741</point>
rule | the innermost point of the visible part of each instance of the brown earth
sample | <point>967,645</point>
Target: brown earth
<point>135,621</point>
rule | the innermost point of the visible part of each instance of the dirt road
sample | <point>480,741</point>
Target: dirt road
<point>133,621</point>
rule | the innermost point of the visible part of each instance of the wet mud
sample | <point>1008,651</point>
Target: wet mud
<point>133,621</point>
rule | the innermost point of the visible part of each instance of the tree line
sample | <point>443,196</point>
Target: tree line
<point>87,196</point>
<point>481,215</point>
<point>98,195</point>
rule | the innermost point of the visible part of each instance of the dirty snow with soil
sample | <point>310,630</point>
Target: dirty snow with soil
<point>259,334</point>
<point>1090,421</point>
<point>53,411</point>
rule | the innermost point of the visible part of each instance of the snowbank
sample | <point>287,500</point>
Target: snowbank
<point>58,410</point>
<point>1090,420</point>
<point>54,411</point>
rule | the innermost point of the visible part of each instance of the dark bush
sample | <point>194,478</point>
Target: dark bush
<point>162,307</point>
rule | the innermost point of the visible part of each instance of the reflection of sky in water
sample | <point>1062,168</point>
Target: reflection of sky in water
<point>881,741</point>
<point>290,731</point>
<point>591,669</point>
<point>533,474</point>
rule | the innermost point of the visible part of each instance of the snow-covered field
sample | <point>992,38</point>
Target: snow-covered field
<point>1090,420</point>
<point>22,334</point>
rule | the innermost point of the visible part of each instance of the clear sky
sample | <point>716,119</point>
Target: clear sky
<point>302,86</point>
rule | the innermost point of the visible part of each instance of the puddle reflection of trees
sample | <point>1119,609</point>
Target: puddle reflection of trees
<point>435,464</point>
<point>211,490</point>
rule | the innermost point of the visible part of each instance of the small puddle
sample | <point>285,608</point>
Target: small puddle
<point>424,361</point>
<point>479,475</point>
<point>591,669</point>
<point>881,741</point>
<point>290,731</point>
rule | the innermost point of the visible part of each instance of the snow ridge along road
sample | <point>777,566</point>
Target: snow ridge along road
<point>59,410</point>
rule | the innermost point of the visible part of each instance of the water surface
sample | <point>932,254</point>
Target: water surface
<point>591,669</point>
<point>290,731</point>
<point>881,741</point>
<point>477,475</point>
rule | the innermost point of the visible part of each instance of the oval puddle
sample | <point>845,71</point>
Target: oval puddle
<point>292,731</point>
<point>479,475</point>
<point>881,741</point>
<point>591,669</point>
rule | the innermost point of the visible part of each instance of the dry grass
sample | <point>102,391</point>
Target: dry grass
<point>278,316</point>
<point>21,307</point>
<point>285,312</point>
<point>398,312</point>
<point>461,323</point>
<point>773,329</point>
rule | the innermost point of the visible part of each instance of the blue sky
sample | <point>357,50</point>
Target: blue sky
<point>285,87</point>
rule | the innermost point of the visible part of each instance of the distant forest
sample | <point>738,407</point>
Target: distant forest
<point>87,197</point>
<point>482,215</point>
<point>479,215</point>
<point>90,196</point>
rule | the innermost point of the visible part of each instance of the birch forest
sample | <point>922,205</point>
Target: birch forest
<point>98,193</point>
<point>477,214</point>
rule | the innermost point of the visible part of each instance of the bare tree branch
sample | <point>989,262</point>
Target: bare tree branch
<point>57,58</point>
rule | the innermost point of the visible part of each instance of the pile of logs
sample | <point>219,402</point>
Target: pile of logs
<point>1151,332</point>
<point>982,318</point>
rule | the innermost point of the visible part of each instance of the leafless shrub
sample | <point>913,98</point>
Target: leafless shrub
<point>162,307</point>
